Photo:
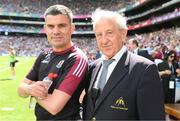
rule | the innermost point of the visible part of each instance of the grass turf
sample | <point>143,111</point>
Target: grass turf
<point>13,107</point>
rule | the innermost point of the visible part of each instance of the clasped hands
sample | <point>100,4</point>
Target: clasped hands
<point>38,90</point>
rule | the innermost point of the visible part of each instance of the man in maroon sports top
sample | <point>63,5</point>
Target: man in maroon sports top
<point>61,100</point>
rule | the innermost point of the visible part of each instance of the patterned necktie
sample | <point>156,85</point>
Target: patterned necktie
<point>102,79</point>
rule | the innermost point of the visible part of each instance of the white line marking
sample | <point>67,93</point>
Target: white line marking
<point>7,109</point>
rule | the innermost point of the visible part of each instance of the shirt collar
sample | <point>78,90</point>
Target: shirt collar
<point>118,55</point>
<point>64,51</point>
<point>135,51</point>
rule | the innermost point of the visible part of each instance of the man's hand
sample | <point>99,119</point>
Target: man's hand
<point>178,72</point>
<point>38,90</point>
<point>167,72</point>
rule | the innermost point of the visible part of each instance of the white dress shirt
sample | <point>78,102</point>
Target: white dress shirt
<point>111,67</point>
<point>135,51</point>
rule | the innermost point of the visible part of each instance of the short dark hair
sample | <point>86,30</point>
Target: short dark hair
<point>134,41</point>
<point>59,9</point>
<point>169,53</point>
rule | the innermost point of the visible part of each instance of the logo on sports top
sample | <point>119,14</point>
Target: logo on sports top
<point>59,65</point>
<point>119,104</point>
<point>47,58</point>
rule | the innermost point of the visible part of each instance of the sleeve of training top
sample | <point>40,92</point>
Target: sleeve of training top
<point>74,72</point>
<point>33,73</point>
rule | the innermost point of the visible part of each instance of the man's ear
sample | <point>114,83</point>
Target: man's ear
<point>124,34</point>
<point>72,28</point>
<point>44,27</point>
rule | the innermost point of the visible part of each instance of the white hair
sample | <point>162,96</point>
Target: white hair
<point>100,14</point>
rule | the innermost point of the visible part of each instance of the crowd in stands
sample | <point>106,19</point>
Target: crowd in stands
<point>16,28</point>
<point>160,42</point>
<point>24,45</point>
<point>164,40</point>
<point>79,7</point>
<point>157,43</point>
<point>32,46</point>
<point>35,29</point>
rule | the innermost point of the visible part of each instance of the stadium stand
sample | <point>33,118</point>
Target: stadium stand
<point>22,21</point>
<point>79,7</point>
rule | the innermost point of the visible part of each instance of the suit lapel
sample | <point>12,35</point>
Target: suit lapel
<point>94,75</point>
<point>138,52</point>
<point>118,73</point>
<point>93,79</point>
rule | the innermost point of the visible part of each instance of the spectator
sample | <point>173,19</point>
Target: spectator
<point>133,45</point>
<point>169,69</point>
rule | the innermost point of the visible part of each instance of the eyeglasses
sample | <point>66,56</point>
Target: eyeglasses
<point>172,56</point>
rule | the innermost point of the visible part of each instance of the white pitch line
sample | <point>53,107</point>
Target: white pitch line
<point>7,109</point>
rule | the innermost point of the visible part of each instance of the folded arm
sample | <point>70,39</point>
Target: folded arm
<point>54,102</point>
<point>32,88</point>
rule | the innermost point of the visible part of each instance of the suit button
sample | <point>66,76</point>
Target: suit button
<point>94,119</point>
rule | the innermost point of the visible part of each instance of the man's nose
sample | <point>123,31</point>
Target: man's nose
<point>104,39</point>
<point>56,30</point>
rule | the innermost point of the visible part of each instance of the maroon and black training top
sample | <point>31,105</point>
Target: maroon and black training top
<point>71,66</point>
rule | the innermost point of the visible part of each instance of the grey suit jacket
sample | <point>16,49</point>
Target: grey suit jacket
<point>133,92</point>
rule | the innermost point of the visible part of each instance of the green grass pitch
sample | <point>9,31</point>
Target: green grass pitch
<point>13,107</point>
